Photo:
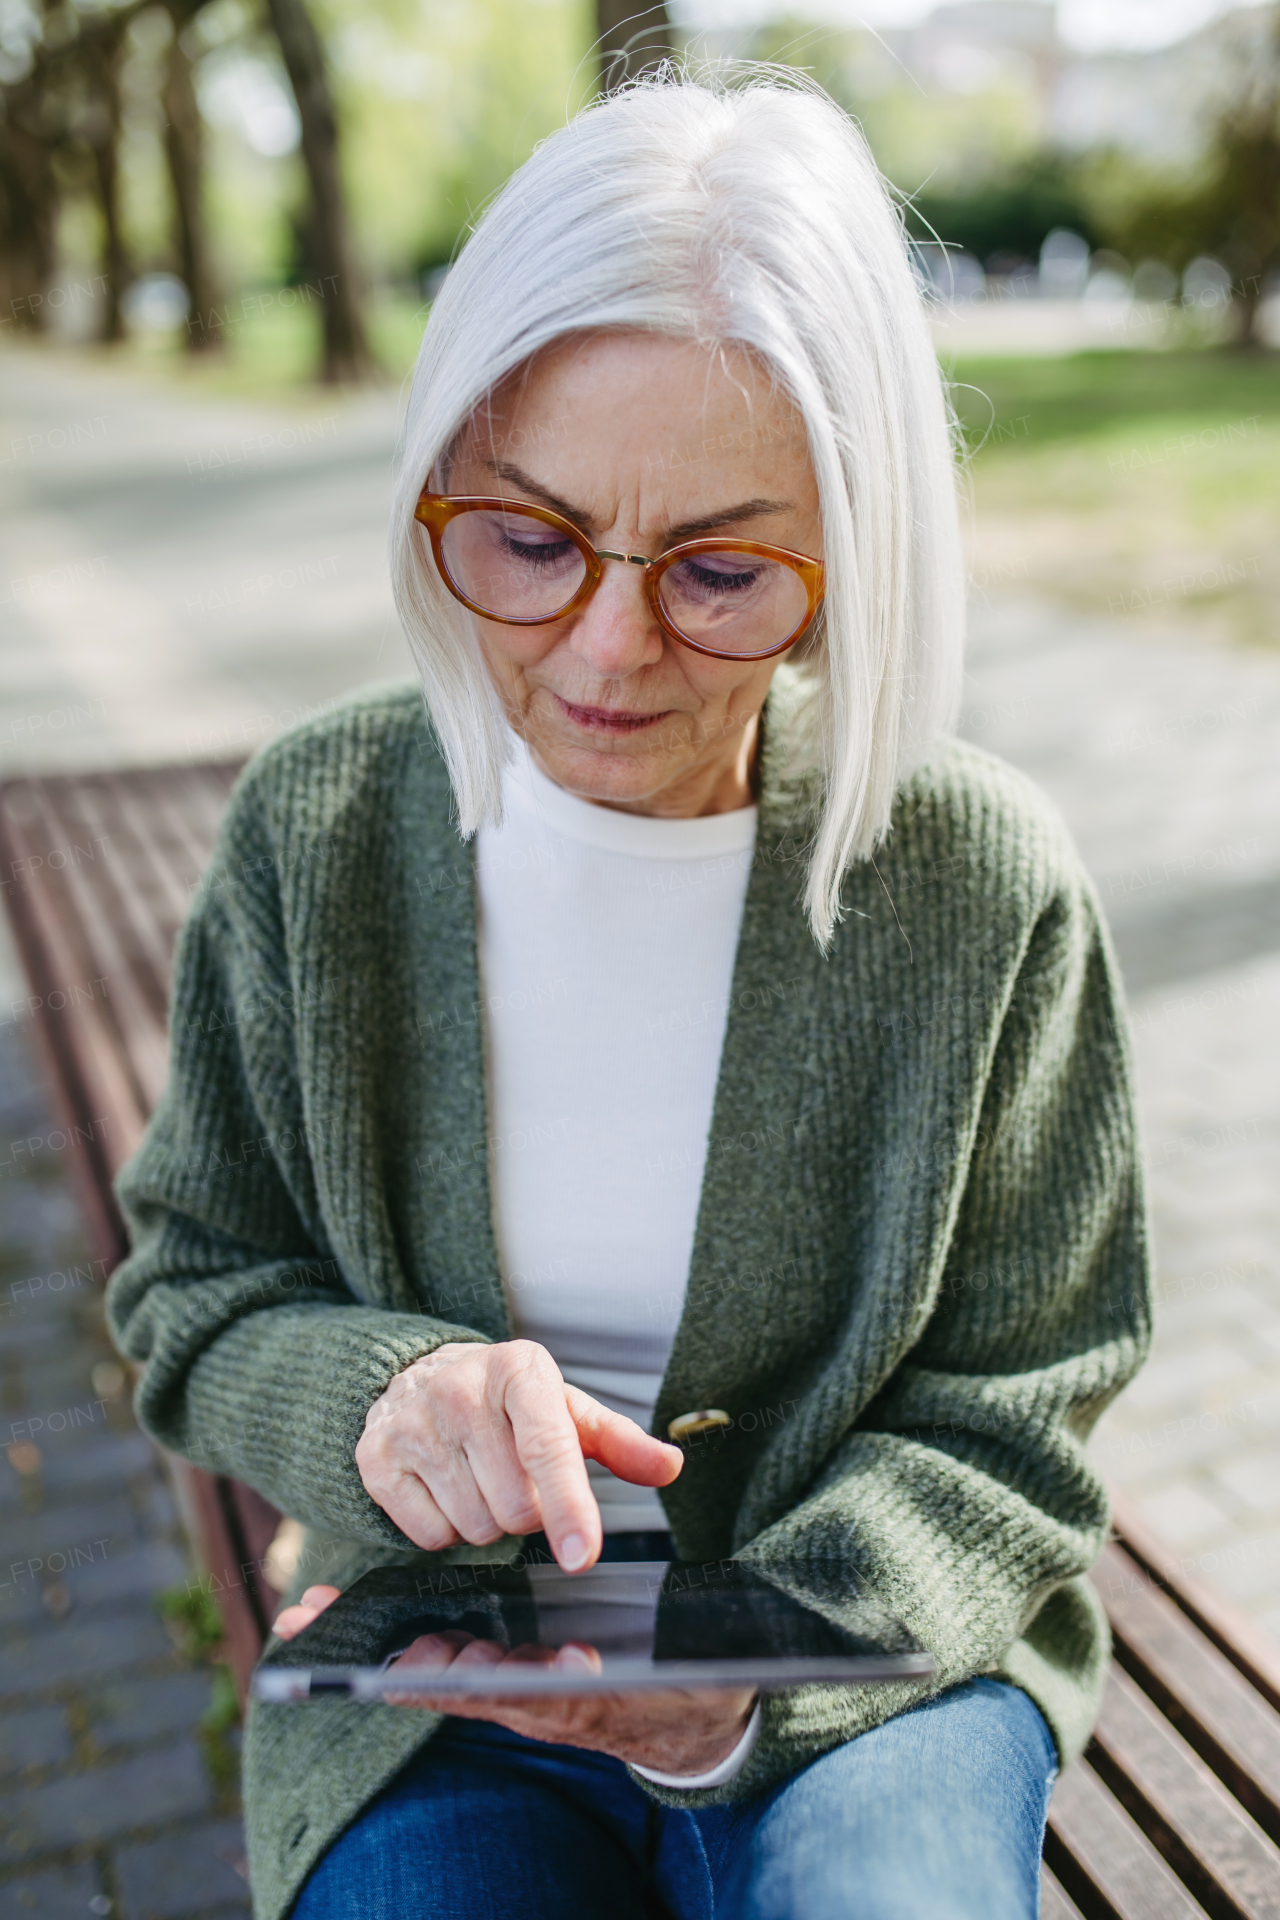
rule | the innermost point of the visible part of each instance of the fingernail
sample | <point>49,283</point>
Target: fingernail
<point>573,1552</point>
<point>572,1656</point>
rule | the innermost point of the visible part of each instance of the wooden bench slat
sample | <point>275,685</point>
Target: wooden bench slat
<point>1196,1687</point>
<point>114,912</point>
<point>1245,1645</point>
<point>133,879</point>
<point>113,917</point>
<point>155,833</point>
<point>1183,1808</point>
<point>1104,1861</point>
<point>131,994</point>
<point>1054,1904</point>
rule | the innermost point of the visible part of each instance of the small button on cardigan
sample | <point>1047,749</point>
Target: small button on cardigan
<point>919,1272</point>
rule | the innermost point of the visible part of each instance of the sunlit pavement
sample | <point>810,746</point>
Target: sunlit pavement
<point>1165,758</point>
<point>180,579</point>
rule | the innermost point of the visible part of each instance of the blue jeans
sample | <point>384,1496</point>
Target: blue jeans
<point>938,1814</point>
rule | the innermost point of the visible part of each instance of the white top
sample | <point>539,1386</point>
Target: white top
<point>606,947</point>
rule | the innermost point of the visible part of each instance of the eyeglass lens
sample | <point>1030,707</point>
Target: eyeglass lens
<point>518,568</point>
<point>512,565</point>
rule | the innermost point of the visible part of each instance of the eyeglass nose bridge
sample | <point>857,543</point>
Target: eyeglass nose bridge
<point>633,559</point>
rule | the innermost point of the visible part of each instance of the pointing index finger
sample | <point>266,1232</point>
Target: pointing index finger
<point>547,1444</point>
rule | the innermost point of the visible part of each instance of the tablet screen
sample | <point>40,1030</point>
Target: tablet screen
<point>644,1624</point>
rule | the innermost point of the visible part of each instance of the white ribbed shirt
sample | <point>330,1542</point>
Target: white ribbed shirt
<point>606,947</point>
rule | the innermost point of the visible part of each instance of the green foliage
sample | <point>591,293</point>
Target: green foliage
<point>948,144</point>
<point>196,1620</point>
<point>1231,208</point>
<point>1010,213</point>
<point>438,104</point>
<point>195,1617</point>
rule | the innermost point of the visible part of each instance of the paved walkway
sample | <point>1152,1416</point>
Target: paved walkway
<point>114,1800</point>
<point>1165,758</point>
<point>178,580</point>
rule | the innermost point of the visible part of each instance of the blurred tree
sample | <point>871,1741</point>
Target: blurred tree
<point>60,127</point>
<point>346,354</point>
<point>98,124</point>
<point>630,38</point>
<point>28,204</point>
<point>1232,211</point>
<point>184,151</point>
<point>1008,214</point>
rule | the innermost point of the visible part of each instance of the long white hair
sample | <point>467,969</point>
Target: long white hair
<point>748,211</point>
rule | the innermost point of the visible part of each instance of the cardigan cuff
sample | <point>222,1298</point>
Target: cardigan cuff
<point>720,1775</point>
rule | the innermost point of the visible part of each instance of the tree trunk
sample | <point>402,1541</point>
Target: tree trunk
<point>28,206</point>
<point>346,347</point>
<point>102,64</point>
<point>184,148</point>
<point>631,39</point>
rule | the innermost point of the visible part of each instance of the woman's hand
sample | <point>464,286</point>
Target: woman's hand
<point>684,1730</point>
<point>687,1731</point>
<point>475,1441</point>
<point>291,1620</point>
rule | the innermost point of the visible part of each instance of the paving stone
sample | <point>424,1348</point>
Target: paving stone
<point>1253,1478</point>
<point>37,1737</point>
<point>55,1386</point>
<point>1246,1566</point>
<point>138,1572</point>
<point>60,1893</point>
<point>79,1646</point>
<point>1169,1379</point>
<point>21,1601</point>
<point>62,1529</point>
<point>132,1710</point>
<point>1183,1515</point>
<point>183,1873</point>
<point>110,1456</point>
<point>157,1510</point>
<point>106,1802</point>
<point>32,1336</point>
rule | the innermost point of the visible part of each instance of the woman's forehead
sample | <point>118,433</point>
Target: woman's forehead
<point>640,377</point>
<point>639,412</point>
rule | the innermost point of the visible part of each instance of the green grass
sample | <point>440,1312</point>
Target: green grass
<point>1087,395</point>
<point>1138,485</point>
<point>271,343</point>
<point>195,1623</point>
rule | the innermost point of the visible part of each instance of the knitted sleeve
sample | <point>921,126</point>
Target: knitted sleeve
<point>258,1357</point>
<point>963,1497</point>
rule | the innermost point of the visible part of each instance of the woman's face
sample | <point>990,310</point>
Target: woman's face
<point>640,441</point>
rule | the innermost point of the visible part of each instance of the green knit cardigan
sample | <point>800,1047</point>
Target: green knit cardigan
<point>919,1272</point>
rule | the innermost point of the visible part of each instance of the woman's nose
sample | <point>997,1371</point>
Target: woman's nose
<point>616,632</point>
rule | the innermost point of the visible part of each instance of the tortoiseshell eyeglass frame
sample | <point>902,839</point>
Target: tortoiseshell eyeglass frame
<point>436,510</point>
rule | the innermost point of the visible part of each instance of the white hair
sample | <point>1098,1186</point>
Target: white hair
<point>747,212</point>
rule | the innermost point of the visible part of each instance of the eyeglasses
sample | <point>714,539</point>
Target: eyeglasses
<point>525,566</point>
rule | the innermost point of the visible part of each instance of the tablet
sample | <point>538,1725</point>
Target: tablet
<point>647,1624</point>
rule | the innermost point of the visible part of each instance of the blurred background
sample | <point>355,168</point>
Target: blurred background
<point>221,229</point>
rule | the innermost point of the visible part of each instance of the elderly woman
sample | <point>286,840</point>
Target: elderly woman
<point>667,1036</point>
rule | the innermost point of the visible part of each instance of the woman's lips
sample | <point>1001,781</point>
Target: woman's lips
<point>608,719</point>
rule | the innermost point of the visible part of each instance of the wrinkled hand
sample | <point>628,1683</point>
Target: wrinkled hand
<point>681,1731</point>
<point>476,1441</point>
<point>291,1620</point>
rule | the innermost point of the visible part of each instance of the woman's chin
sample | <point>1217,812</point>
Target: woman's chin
<point>610,772</point>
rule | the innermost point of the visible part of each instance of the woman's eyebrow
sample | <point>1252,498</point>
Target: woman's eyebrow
<point>725,517</point>
<point>517,477</point>
<point>687,530</point>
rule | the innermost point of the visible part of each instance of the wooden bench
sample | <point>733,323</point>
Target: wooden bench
<point>98,872</point>
<point>1174,1811</point>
